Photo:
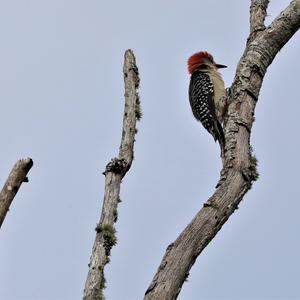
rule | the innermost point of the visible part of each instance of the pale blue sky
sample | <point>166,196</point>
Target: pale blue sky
<point>61,90</point>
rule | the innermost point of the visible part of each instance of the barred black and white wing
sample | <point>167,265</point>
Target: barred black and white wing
<point>201,91</point>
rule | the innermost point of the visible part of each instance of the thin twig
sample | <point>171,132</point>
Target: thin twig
<point>114,172</point>
<point>17,176</point>
<point>239,167</point>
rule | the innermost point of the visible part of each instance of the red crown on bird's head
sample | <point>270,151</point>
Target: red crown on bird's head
<point>197,59</point>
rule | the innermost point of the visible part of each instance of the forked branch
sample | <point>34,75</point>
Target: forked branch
<point>239,166</point>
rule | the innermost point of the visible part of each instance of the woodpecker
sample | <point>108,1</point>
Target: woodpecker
<point>207,94</point>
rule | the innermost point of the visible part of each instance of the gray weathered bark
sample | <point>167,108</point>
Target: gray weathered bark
<point>239,166</point>
<point>17,176</point>
<point>114,172</point>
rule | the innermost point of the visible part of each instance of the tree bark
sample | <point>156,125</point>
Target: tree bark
<point>239,165</point>
<point>17,176</point>
<point>114,172</point>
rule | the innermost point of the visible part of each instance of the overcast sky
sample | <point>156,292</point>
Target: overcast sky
<point>61,89</point>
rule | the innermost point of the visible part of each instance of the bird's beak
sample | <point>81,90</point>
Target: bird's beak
<point>220,66</point>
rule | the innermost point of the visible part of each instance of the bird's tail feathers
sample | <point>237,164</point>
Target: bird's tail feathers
<point>219,136</point>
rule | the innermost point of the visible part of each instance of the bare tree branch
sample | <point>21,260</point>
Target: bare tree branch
<point>258,12</point>
<point>17,176</point>
<point>239,166</point>
<point>114,172</point>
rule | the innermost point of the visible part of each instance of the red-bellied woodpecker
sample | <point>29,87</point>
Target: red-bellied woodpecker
<point>207,94</point>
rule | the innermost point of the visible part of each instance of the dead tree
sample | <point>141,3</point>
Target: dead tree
<point>239,166</point>
<point>114,172</point>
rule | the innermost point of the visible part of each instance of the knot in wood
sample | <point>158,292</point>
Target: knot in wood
<point>116,165</point>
